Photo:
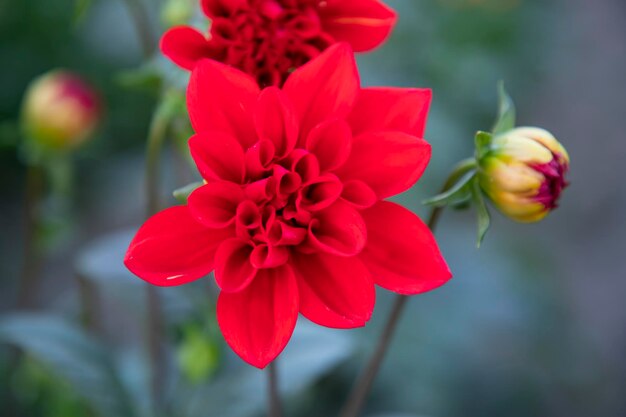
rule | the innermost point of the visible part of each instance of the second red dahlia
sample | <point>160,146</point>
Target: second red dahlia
<point>270,38</point>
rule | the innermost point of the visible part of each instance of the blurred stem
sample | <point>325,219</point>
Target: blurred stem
<point>141,18</point>
<point>154,319</point>
<point>29,278</point>
<point>363,385</point>
<point>275,409</point>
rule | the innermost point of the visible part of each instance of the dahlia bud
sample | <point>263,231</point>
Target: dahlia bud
<point>177,12</point>
<point>523,173</point>
<point>60,111</point>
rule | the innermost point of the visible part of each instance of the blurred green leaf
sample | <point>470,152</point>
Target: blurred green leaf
<point>183,193</point>
<point>81,7</point>
<point>72,355</point>
<point>506,112</point>
<point>458,194</point>
<point>481,211</point>
<point>198,354</point>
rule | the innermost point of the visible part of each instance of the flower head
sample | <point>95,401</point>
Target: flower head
<point>292,218</point>
<point>270,38</point>
<point>524,173</point>
<point>60,110</point>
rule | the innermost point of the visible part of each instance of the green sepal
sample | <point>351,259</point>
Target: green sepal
<point>506,112</point>
<point>457,195</point>
<point>481,211</point>
<point>183,193</point>
<point>482,142</point>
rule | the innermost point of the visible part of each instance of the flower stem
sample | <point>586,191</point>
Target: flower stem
<point>275,409</point>
<point>141,19</point>
<point>362,387</point>
<point>154,319</point>
<point>29,278</point>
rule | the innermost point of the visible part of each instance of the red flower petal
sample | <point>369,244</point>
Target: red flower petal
<point>276,120</point>
<point>172,248</point>
<point>389,162</point>
<point>222,98</point>
<point>401,109</point>
<point>335,291</point>
<point>325,88</point>
<point>215,204</point>
<point>218,156</point>
<point>330,142</point>
<point>401,251</point>
<point>338,230</point>
<point>258,322</point>
<point>221,8</point>
<point>359,194</point>
<point>365,24</point>
<point>233,270</point>
<point>186,46</point>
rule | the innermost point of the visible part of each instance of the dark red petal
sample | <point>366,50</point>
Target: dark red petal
<point>365,24</point>
<point>389,162</point>
<point>222,8</point>
<point>330,142</point>
<point>222,98</point>
<point>233,270</point>
<point>325,88</point>
<point>275,120</point>
<point>218,156</point>
<point>319,193</point>
<point>335,291</point>
<point>265,256</point>
<point>401,251</point>
<point>215,204</point>
<point>258,322</point>
<point>172,248</point>
<point>359,194</point>
<point>338,230</point>
<point>186,46</point>
<point>401,109</point>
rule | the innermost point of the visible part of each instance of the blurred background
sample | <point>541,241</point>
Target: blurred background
<point>532,324</point>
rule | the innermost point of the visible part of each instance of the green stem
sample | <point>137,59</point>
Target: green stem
<point>154,319</point>
<point>141,18</point>
<point>275,409</point>
<point>29,279</point>
<point>363,385</point>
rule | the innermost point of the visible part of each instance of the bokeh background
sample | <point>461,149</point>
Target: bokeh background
<point>533,324</point>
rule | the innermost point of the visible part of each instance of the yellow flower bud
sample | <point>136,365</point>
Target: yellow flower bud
<point>524,173</point>
<point>60,111</point>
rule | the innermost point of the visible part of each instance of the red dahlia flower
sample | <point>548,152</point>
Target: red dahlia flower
<point>292,217</point>
<point>270,38</point>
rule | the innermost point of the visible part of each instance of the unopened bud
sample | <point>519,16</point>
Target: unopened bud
<point>60,111</point>
<point>524,173</point>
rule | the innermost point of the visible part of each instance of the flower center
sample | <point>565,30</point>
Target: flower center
<point>283,196</point>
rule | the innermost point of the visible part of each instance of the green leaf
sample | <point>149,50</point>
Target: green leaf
<point>457,194</point>
<point>481,211</point>
<point>482,141</point>
<point>182,194</point>
<point>72,355</point>
<point>81,7</point>
<point>506,112</point>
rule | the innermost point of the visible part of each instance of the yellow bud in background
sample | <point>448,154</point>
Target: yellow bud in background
<point>524,173</point>
<point>60,111</point>
<point>177,12</point>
